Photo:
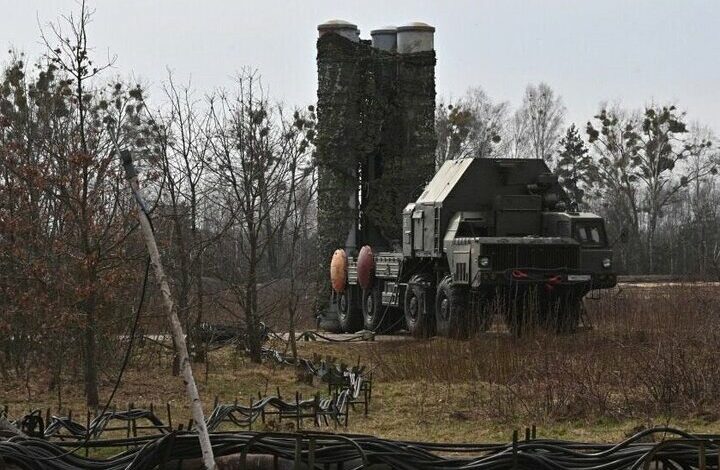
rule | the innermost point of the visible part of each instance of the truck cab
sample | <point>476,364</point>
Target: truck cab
<point>588,230</point>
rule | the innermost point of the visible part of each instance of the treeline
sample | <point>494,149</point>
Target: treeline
<point>228,179</point>
<point>652,173</point>
<point>230,182</point>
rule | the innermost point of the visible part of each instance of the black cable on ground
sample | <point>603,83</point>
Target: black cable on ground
<point>351,450</point>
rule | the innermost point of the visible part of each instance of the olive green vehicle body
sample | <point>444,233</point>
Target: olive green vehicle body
<point>484,231</point>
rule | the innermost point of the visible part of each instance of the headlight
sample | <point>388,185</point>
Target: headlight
<point>606,263</point>
<point>484,262</point>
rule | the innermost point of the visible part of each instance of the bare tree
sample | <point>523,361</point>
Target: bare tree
<point>542,115</point>
<point>517,141</point>
<point>65,216</point>
<point>251,169</point>
<point>644,158</point>
<point>183,132</point>
<point>472,126</point>
<point>299,135</point>
<point>85,176</point>
<point>702,195</point>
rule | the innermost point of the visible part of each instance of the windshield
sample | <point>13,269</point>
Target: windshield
<point>472,228</point>
<point>589,232</point>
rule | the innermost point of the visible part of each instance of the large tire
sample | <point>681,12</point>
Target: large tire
<point>374,312</point>
<point>451,310</point>
<point>327,318</point>
<point>350,317</point>
<point>418,308</point>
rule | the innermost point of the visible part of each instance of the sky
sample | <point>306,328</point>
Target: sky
<point>633,52</point>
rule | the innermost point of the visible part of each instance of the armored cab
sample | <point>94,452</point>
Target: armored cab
<point>485,236</point>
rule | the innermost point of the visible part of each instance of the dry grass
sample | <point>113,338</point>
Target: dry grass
<point>229,377</point>
<point>649,359</point>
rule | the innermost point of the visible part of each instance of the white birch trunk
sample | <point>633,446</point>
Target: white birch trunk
<point>176,330</point>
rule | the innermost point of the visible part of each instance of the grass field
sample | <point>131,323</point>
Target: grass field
<point>648,358</point>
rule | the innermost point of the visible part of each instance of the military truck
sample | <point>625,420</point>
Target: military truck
<point>485,237</point>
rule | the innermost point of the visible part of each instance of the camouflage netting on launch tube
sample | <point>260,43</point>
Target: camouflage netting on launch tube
<point>375,142</point>
<point>405,157</point>
<point>382,156</point>
<point>416,81</point>
<point>337,140</point>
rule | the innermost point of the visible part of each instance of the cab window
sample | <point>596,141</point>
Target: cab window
<point>472,228</point>
<point>589,233</point>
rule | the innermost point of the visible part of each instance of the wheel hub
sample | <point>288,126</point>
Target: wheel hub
<point>370,303</point>
<point>343,304</point>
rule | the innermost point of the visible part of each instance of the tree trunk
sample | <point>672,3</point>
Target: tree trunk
<point>90,343</point>
<point>652,227</point>
<point>252,324</point>
<point>201,350</point>
<point>175,325</point>
<point>273,237</point>
<point>251,304</point>
<point>197,273</point>
<point>292,311</point>
<point>183,290</point>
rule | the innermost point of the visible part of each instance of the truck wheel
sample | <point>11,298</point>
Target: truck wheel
<point>327,319</point>
<point>565,317</point>
<point>374,312</point>
<point>349,314</point>
<point>451,309</point>
<point>418,310</point>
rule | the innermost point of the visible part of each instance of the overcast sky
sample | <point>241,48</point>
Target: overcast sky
<point>632,52</point>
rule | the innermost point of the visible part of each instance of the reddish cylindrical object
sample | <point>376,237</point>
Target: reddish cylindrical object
<point>366,267</point>
<point>338,271</point>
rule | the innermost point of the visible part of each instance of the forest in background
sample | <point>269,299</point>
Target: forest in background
<point>652,173</point>
<point>230,182</point>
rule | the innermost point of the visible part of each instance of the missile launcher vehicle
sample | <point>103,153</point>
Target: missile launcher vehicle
<point>485,237</point>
